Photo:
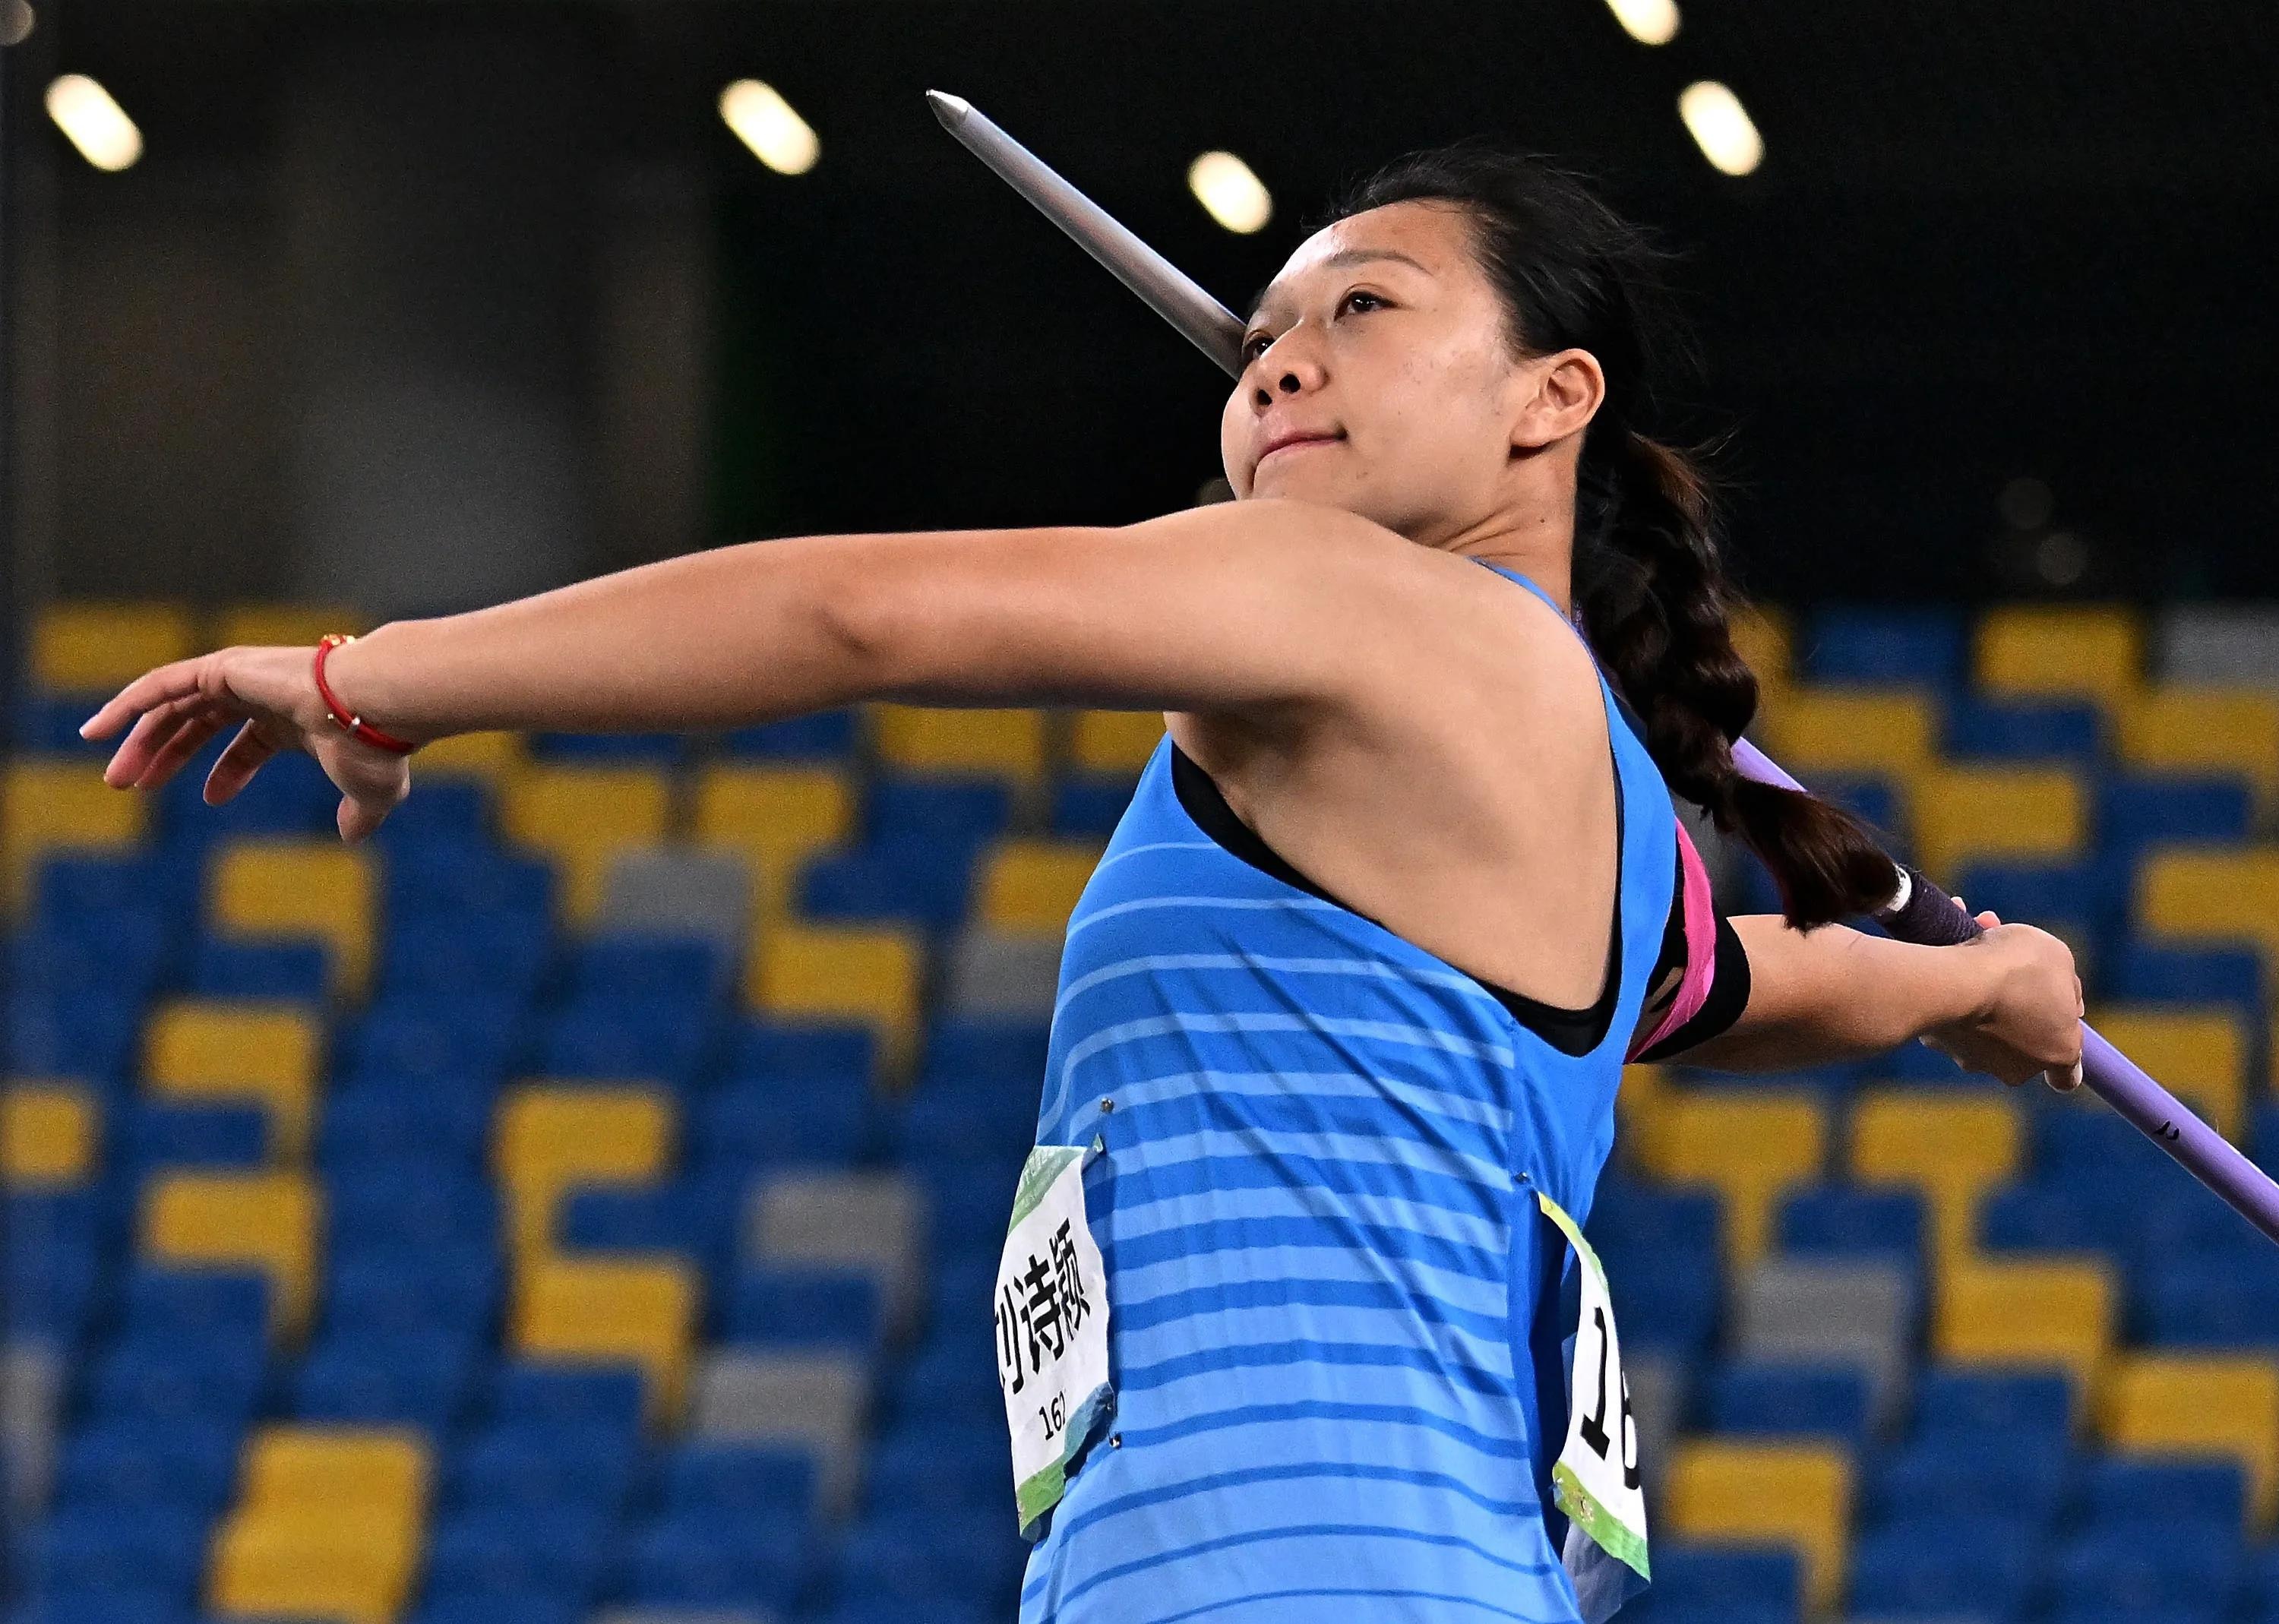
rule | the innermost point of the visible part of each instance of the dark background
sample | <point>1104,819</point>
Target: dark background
<point>1989,241</point>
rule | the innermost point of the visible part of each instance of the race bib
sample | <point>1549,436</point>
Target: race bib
<point>1596,1478</point>
<point>1052,1329</point>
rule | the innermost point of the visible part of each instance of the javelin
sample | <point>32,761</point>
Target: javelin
<point>1918,911</point>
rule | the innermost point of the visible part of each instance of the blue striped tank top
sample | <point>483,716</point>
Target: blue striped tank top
<point>1336,1312</point>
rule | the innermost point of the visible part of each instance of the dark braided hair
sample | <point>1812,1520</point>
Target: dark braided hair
<point>1650,587</point>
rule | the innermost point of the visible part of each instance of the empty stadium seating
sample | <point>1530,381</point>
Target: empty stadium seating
<point>573,1207</point>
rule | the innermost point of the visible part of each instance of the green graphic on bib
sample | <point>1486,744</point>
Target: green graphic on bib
<point>1051,1314</point>
<point>1596,1481</point>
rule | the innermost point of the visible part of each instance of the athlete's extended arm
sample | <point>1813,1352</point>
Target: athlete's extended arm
<point>1242,605</point>
<point>2007,1003</point>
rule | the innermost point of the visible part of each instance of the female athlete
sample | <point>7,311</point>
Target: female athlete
<point>1343,1009</point>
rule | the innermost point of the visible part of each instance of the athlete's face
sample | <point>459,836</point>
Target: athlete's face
<point>1382,343</point>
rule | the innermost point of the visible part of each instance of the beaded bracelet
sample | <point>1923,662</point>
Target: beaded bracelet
<point>355,725</point>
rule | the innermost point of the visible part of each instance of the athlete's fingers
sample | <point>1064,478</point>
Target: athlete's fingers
<point>186,741</point>
<point>153,688</point>
<point>238,763</point>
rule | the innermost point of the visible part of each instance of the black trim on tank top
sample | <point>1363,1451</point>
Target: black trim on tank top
<point>1573,1032</point>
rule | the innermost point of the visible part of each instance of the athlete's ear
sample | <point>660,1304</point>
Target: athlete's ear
<point>1560,394</point>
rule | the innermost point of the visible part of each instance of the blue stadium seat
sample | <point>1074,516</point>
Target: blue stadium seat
<point>607,1400</point>
<point>2139,971</point>
<point>1688,1576</point>
<point>377,1122</point>
<point>376,1203</point>
<point>2019,1404</point>
<point>149,1134</point>
<point>465,883</point>
<point>708,1561</point>
<point>1089,805</point>
<point>291,795</point>
<point>964,1051</point>
<point>694,1215</point>
<point>494,1608</point>
<point>2085,901</point>
<point>224,968</point>
<point>765,1051</point>
<point>2135,813</point>
<point>825,735</point>
<point>731,1481</point>
<point>916,1555</point>
<point>103,1607</point>
<point>92,1032</point>
<point>504,955</point>
<point>2156,1560</point>
<point>128,948</point>
<point>446,813</point>
<point>1876,800</point>
<point>539,1464</point>
<point>197,1304</point>
<point>635,1037</point>
<point>434,1034</point>
<point>2017,1482</point>
<point>1666,1300</point>
<point>949,1455</point>
<point>1629,1216</point>
<point>43,723</point>
<point>1782,1399</point>
<point>421,1378</point>
<point>188,1466</point>
<point>967,1204</point>
<point>954,813</point>
<point>555,1552</point>
<point>2053,1214</point>
<point>56,1244</point>
<point>749,1125</point>
<point>894,1610</point>
<point>920,879</point>
<point>76,885</point>
<point>143,1553</point>
<point>2123,1489</point>
<point>1982,729</point>
<point>683,971</point>
<point>803,1307</point>
<point>1945,1565</point>
<point>1851,644</point>
<point>952,1372</point>
<point>2225,1299</point>
<point>596,749</point>
<point>1841,1221</point>
<point>157,1379</point>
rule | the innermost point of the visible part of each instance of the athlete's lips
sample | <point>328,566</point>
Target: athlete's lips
<point>1295,437</point>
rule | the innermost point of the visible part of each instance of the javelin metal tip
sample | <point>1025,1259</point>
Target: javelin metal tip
<point>951,110</point>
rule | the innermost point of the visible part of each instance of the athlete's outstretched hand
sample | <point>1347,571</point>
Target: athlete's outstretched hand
<point>273,691</point>
<point>2028,1022</point>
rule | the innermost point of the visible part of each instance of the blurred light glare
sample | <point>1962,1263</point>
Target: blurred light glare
<point>91,121</point>
<point>17,21</point>
<point>1649,22</point>
<point>1233,196</point>
<point>1720,126</point>
<point>763,121</point>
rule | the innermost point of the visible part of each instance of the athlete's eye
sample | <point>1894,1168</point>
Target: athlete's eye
<point>1256,345</point>
<point>1358,293</point>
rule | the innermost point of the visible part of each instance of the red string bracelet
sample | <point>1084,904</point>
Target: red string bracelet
<point>355,725</point>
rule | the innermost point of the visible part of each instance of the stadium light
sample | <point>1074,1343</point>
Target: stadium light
<point>93,123</point>
<point>763,121</point>
<point>1649,22</point>
<point>1231,194</point>
<point>1720,126</point>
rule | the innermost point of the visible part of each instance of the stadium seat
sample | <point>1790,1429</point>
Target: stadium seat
<point>2200,1055</point>
<point>1878,645</point>
<point>2057,1311</point>
<point>1996,1479</point>
<point>550,1139</point>
<point>2086,652</point>
<point>870,1222</point>
<point>584,818</point>
<point>280,625</point>
<point>1794,1494</point>
<point>321,891</point>
<point>2199,1404</point>
<point>869,974</point>
<point>1030,887</point>
<point>1789,1399</point>
<point>329,1522</point>
<point>1843,1222</point>
<point>539,1463</point>
<point>286,971</point>
<point>821,735</point>
<point>1973,813</point>
<point>775,818</point>
<point>2018,731</point>
<point>817,1400</point>
<point>1817,731</point>
<point>267,1055</point>
<point>2202,731</point>
<point>51,1136</point>
<point>1750,1146</point>
<point>1940,1567</point>
<point>268,1220</point>
<point>628,1308</point>
<point>994,972</point>
<point>1116,742</point>
<point>923,739</point>
<point>1951,1148</point>
<point>2215,897</point>
<point>1858,1313</point>
<point>707,893</point>
<point>50,807</point>
<point>98,646</point>
<point>492,759</point>
<point>1088,806</point>
<point>1762,637</point>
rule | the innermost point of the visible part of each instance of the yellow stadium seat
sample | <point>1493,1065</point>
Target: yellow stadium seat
<point>638,1310</point>
<point>51,1136</point>
<point>776,817</point>
<point>85,647</point>
<point>51,806</point>
<point>1887,731</point>
<point>1000,743</point>
<point>2049,1309</point>
<point>1761,638</point>
<point>1723,1491</point>
<point>1951,1146</point>
<point>868,973</point>
<point>2083,653</point>
<point>305,890</point>
<point>2200,1403</point>
<point>2209,894</point>
<point>1117,741</point>
<point>1030,887</point>
<point>2232,731</point>
<point>263,625</point>
<point>493,758</point>
<point>328,1523</point>
<point>1751,1147</point>
<point>1639,1107</point>
<point>583,817</point>
<point>1968,814</point>
<point>239,1051</point>
<point>266,1220</point>
<point>550,1139</point>
<point>2201,1055</point>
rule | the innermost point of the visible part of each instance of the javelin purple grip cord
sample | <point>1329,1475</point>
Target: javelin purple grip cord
<point>1929,915</point>
<point>1926,915</point>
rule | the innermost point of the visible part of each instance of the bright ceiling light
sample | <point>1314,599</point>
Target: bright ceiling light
<point>764,122</point>
<point>1720,126</point>
<point>97,125</point>
<point>1649,22</point>
<point>1233,196</point>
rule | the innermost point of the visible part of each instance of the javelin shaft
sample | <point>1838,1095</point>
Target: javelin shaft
<point>1923,913</point>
